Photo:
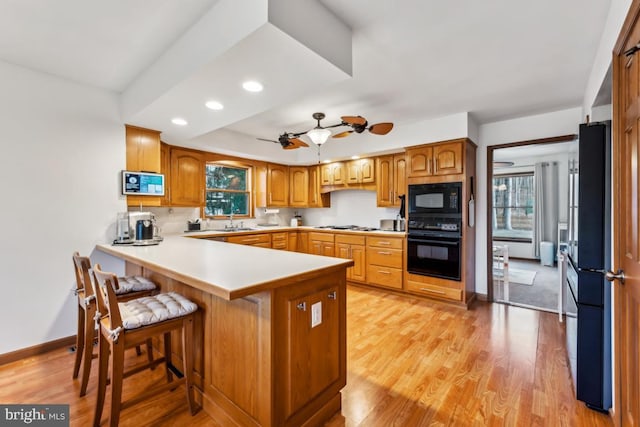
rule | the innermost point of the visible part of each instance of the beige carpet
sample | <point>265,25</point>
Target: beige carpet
<point>522,277</point>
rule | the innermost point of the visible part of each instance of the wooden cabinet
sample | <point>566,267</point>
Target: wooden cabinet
<point>280,241</point>
<point>351,246</point>
<point>143,154</point>
<point>317,199</point>
<point>165,167</point>
<point>384,261</point>
<point>143,149</point>
<point>292,244</point>
<point>321,244</point>
<point>262,240</point>
<point>391,181</point>
<point>310,347</point>
<point>361,171</point>
<point>302,242</point>
<point>444,158</point>
<point>332,174</point>
<point>298,186</point>
<point>187,177</point>
<point>453,160</point>
<point>277,185</point>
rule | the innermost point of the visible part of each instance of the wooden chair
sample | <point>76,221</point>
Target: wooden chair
<point>136,287</point>
<point>134,322</point>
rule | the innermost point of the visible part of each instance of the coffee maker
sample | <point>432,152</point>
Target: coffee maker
<point>137,228</point>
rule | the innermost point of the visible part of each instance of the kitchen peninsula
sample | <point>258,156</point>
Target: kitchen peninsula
<point>270,337</point>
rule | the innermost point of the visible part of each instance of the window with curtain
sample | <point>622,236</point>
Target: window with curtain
<point>228,190</point>
<point>513,202</point>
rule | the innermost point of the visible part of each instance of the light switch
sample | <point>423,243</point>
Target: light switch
<point>316,314</point>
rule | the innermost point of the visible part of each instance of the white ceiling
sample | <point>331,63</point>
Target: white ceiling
<point>387,61</point>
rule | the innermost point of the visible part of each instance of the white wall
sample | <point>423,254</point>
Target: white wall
<point>349,207</point>
<point>62,148</point>
<point>557,123</point>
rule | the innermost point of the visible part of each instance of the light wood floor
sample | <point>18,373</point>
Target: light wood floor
<point>411,362</point>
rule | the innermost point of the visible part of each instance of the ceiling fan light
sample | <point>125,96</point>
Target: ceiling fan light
<point>318,135</point>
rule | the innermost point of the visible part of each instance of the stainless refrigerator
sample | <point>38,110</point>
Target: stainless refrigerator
<point>588,293</point>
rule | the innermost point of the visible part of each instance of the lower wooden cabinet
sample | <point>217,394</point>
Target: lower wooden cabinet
<point>280,241</point>
<point>262,240</point>
<point>321,244</point>
<point>352,247</point>
<point>385,257</point>
<point>434,287</point>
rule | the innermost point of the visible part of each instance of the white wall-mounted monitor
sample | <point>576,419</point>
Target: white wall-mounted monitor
<point>142,183</point>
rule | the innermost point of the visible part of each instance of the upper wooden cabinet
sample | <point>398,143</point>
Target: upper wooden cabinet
<point>187,177</point>
<point>277,185</point>
<point>361,171</point>
<point>391,179</point>
<point>317,199</point>
<point>332,174</point>
<point>298,186</point>
<point>143,149</point>
<point>143,154</point>
<point>445,158</point>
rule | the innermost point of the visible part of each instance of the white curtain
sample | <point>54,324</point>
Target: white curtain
<point>546,204</point>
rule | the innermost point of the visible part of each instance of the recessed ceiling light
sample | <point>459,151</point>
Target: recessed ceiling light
<point>252,86</point>
<point>179,121</point>
<point>355,157</point>
<point>214,105</point>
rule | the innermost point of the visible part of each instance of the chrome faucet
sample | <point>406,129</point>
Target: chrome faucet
<point>230,220</point>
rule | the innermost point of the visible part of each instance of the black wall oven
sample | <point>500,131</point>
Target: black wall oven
<point>434,241</point>
<point>431,253</point>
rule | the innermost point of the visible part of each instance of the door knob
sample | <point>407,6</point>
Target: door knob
<point>618,275</point>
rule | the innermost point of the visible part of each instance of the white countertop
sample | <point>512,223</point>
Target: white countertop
<point>259,229</point>
<point>226,270</point>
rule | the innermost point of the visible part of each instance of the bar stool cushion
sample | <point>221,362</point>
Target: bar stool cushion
<point>148,310</point>
<point>134,284</point>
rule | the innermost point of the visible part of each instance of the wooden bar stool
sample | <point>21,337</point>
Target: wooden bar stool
<point>130,323</point>
<point>132,287</point>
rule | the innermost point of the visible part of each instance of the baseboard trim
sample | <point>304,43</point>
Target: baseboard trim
<point>482,297</point>
<point>36,349</point>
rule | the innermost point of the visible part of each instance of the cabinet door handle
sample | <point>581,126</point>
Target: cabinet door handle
<point>384,253</point>
<point>433,291</point>
<point>255,239</point>
<point>332,295</point>
<point>384,272</point>
<point>383,243</point>
<point>302,306</point>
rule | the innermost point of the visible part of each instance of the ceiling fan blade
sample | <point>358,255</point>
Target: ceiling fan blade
<point>342,134</point>
<point>381,128</point>
<point>295,143</point>
<point>268,140</point>
<point>354,120</point>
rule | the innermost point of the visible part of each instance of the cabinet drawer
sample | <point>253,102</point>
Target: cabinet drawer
<point>434,290</point>
<point>279,244</point>
<point>384,257</point>
<point>323,237</point>
<point>384,276</point>
<point>250,239</point>
<point>384,242</point>
<point>278,236</point>
<point>350,239</point>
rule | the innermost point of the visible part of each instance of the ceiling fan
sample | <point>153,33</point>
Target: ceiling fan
<point>319,134</point>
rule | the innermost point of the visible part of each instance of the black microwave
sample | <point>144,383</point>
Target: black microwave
<point>440,198</point>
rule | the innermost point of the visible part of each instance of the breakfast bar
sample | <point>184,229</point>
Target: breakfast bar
<point>270,333</point>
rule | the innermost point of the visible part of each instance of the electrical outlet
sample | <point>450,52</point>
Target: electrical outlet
<point>316,314</point>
